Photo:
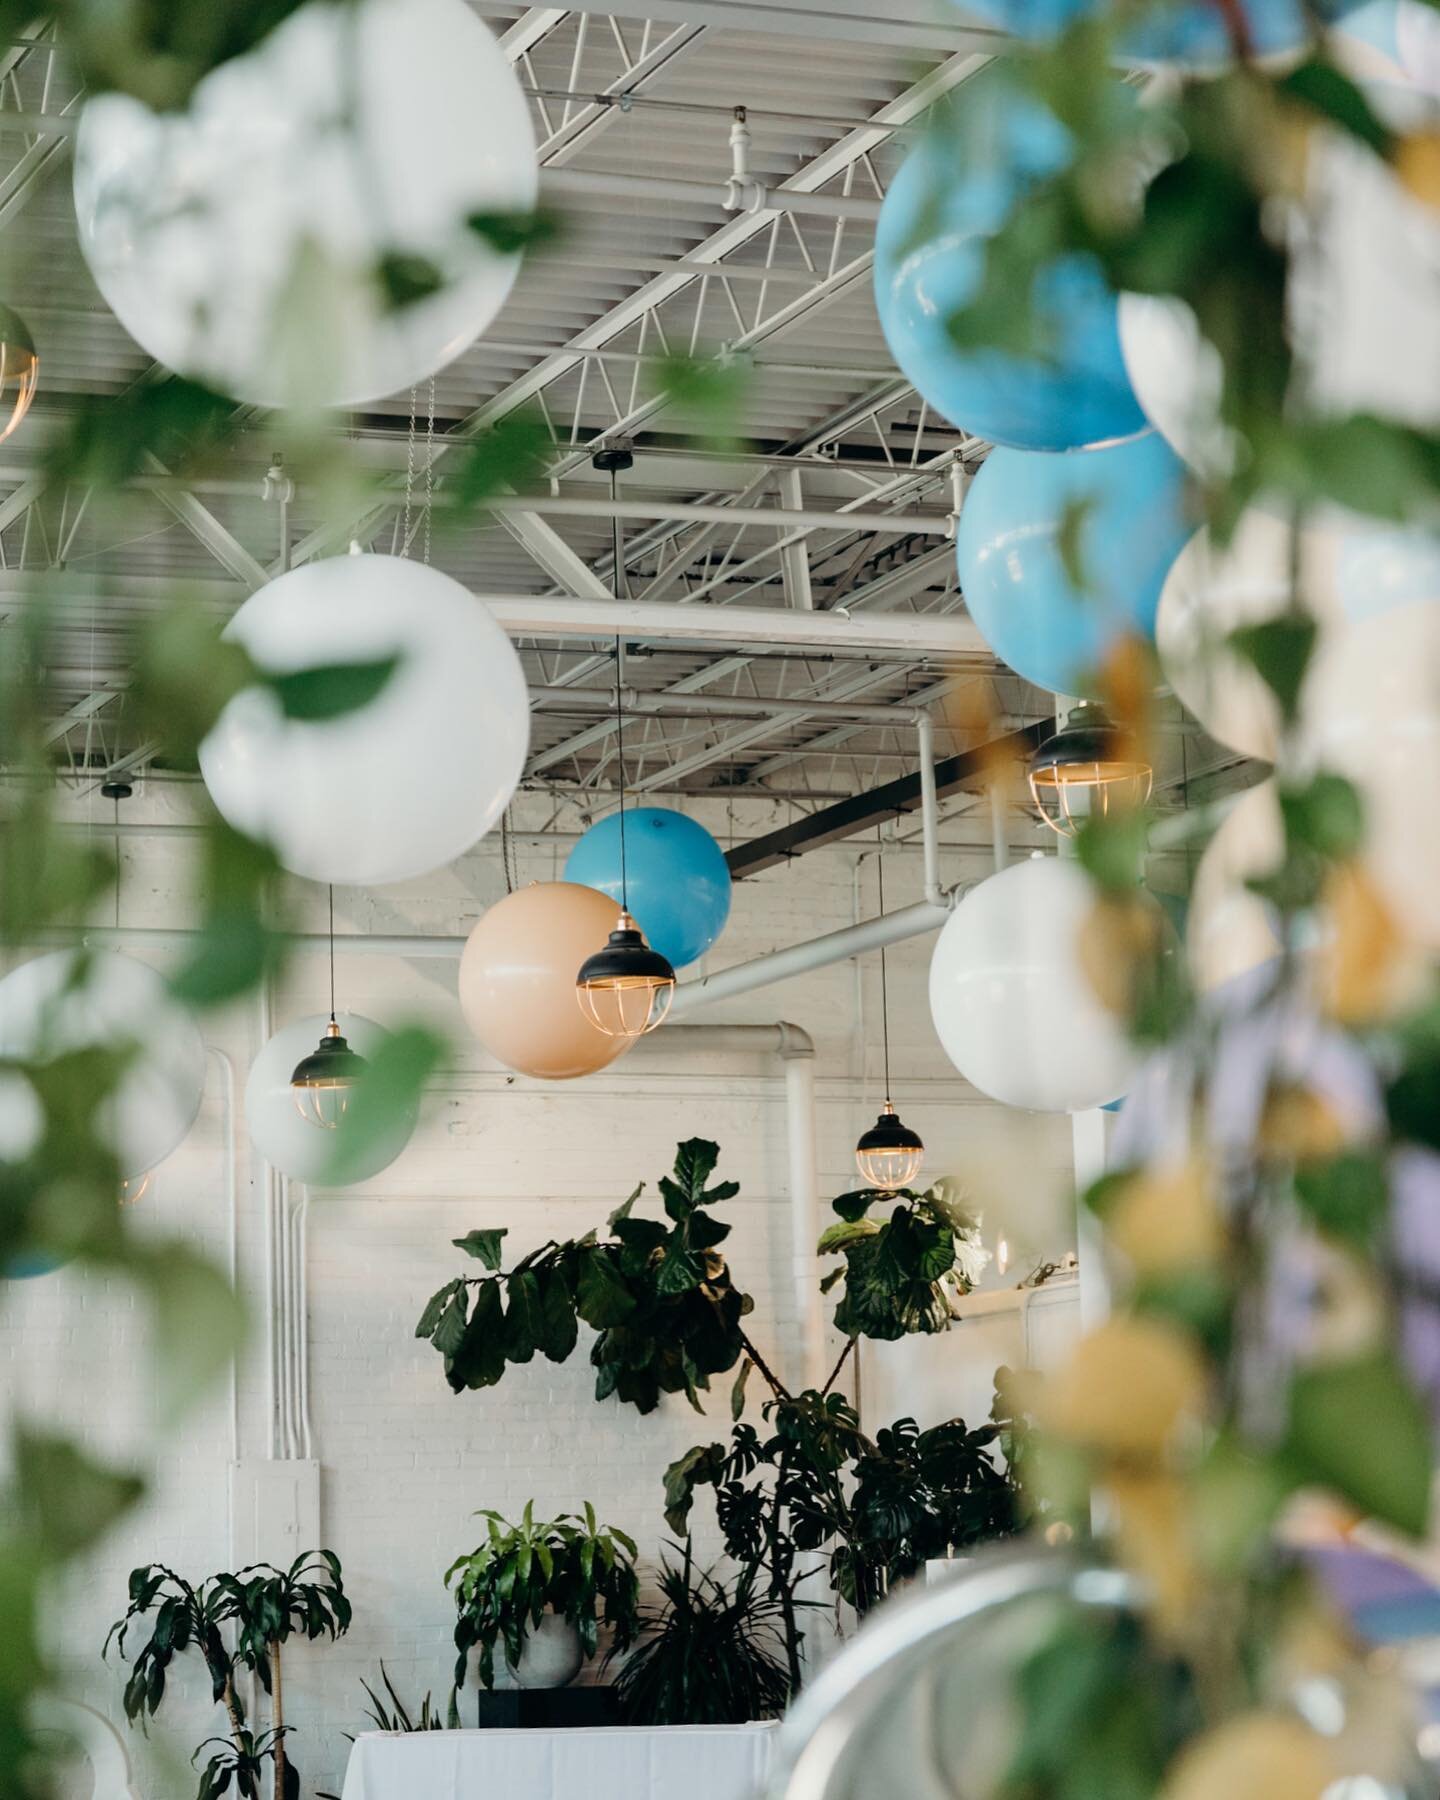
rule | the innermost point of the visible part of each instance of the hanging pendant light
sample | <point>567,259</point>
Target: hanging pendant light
<point>624,989</point>
<point>1084,770</point>
<point>322,1081</point>
<point>19,370</point>
<point>889,1154</point>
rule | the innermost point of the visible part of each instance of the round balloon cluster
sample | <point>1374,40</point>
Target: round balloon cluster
<point>396,787</point>
<point>96,1000</point>
<point>243,240</point>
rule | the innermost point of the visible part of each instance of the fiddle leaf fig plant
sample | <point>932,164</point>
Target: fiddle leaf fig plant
<point>659,1295</point>
<point>903,1273</point>
<point>572,1566</point>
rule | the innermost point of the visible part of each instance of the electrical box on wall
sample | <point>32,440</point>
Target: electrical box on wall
<point>274,1510</point>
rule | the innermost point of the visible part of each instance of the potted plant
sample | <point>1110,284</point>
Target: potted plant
<point>542,1589</point>
<point>712,1654</point>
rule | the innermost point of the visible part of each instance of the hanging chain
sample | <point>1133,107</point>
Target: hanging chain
<point>507,853</point>
<point>409,476</point>
<point>884,982</point>
<point>620,760</point>
<point>429,470</point>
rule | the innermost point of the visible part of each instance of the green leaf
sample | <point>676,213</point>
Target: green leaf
<point>678,1270</point>
<point>449,1330</point>
<point>479,1359</point>
<point>197,1319</point>
<point>1326,816</point>
<point>406,278</point>
<point>737,1392</point>
<point>509,233</point>
<point>1279,651</point>
<point>623,1210</point>
<point>434,1307</point>
<point>1324,90</point>
<point>1348,1196</point>
<point>510,456</point>
<point>330,690</point>
<point>484,1245</point>
<point>105,441</point>
<point>702,1463</point>
<point>1360,1428</point>
<point>523,1324</point>
<point>602,1298</point>
<point>385,1101</point>
<point>1111,848</point>
<point>558,1329</point>
<point>855,1205</point>
<point>840,1236</point>
<point>66,1499</point>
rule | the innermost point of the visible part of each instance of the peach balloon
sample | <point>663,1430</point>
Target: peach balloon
<point>517,980</point>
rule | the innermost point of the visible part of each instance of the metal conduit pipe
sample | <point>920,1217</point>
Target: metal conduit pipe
<point>796,1050</point>
<point>582,506</point>
<point>816,953</point>
<point>722,706</point>
<point>587,183</point>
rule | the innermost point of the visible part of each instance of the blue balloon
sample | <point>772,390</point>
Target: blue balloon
<point>677,879</point>
<point>1129,501</point>
<point>1186,31</point>
<point>29,1265</point>
<point>954,190</point>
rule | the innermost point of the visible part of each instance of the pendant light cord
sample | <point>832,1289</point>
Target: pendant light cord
<point>884,980</point>
<point>332,954</point>
<point>620,757</point>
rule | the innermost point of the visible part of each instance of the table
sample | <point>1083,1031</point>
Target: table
<point>663,1762</point>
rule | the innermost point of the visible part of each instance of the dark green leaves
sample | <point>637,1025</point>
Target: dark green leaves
<point>484,1245</point>
<point>385,1098</point>
<point>406,278</point>
<point>509,233</point>
<point>105,442</point>
<point>330,690</point>
<point>894,1268</point>
<point>1360,1428</point>
<point>661,1299</point>
<point>65,1499</point>
<point>1279,650</point>
<point>1322,89</point>
<point>1347,1196</point>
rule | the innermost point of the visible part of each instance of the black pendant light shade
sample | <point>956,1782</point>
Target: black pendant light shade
<point>322,1080</point>
<point>1084,770</point>
<point>889,1154</point>
<point>625,989</point>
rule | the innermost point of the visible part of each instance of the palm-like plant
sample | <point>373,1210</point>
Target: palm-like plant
<point>712,1655</point>
<point>577,1568</point>
<point>262,1606</point>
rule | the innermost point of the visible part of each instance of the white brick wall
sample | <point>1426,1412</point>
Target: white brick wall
<point>405,1462</point>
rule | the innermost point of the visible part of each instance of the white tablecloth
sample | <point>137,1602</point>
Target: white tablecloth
<point>666,1762</point>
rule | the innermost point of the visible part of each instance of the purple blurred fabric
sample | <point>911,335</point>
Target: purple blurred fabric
<point>1246,1030</point>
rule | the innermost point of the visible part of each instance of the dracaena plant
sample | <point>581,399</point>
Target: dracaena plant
<point>659,1294</point>
<point>580,1570</point>
<point>235,1621</point>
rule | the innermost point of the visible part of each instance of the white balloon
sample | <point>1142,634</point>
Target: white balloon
<point>287,1140</point>
<point>1229,929</point>
<point>1177,376</point>
<point>1372,713</point>
<point>236,241</point>
<point>1011,1002</point>
<point>1345,570</point>
<point>402,785</point>
<point>75,1000</point>
<point>1365,266</point>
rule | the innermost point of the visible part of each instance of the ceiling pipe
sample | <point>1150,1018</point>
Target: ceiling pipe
<point>720,706</point>
<point>750,197</point>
